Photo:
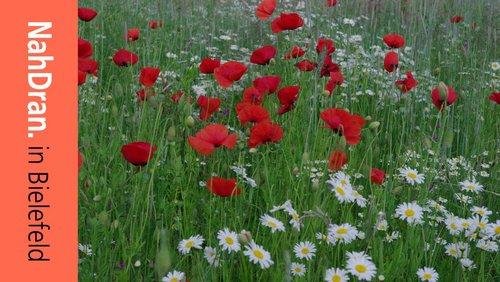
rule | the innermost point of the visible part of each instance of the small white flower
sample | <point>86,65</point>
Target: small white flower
<point>495,66</point>
<point>228,240</point>
<point>174,276</point>
<point>428,274</point>
<point>304,250</point>
<point>360,265</point>
<point>86,249</point>
<point>272,223</point>
<point>336,274</point>
<point>211,256</point>
<point>411,212</point>
<point>257,254</point>
<point>471,186</point>
<point>298,269</point>
<point>186,245</point>
<point>411,176</point>
<point>344,233</point>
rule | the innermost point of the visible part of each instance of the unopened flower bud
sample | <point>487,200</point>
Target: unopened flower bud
<point>109,97</point>
<point>374,124</point>
<point>437,71</point>
<point>315,184</point>
<point>397,190</point>
<point>368,118</point>
<point>295,171</point>
<point>272,62</point>
<point>443,91</point>
<point>189,122</point>
<point>171,133</point>
<point>305,157</point>
<point>137,263</point>
<point>252,150</point>
<point>325,93</point>
<point>244,237</point>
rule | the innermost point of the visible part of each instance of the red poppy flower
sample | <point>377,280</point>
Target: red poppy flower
<point>442,100</point>
<point>337,160</point>
<point>248,112</point>
<point>495,97</point>
<point>133,34</point>
<point>148,76</point>
<point>263,55</point>
<point>456,19</point>
<point>306,65</point>
<point>325,45</point>
<point>377,176</point>
<point>84,48</point>
<point>222,187</point>
<point>208,106</point>
<point>391,61</point>
<point>286,22</point>
<point>328,67</point>
<point>138,153</point>
<point>176,97</point>
<point>287,96</point>
<point>125,58</point>
<point>144,94</point>
<point>86,14</point>
<point>408,83</point>
<point>253,95</point>
<point>336,78</point>
<point>267,84</point>
<point>394,40</point>
<point>343,123</point>
<point>296,52</point>
<point>211,137</point>
<point>263,133</point>
<point>228,73</point>
<point>208,65</point>
<point>88,66</point>
<point>155,24</point>
<point>82,76</point>
<point>265,9</point>
<point>331,3</point>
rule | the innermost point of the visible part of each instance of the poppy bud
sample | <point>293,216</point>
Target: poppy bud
<point>272,61</point>
<point>97,198</point>
<point>109,98</point>
<point>88,183</point>
<point>118,90</point>
<point>374,125</point>
<point>137,263</point>
<point>114,110</point>
<point>241,146</point>
<point>397,190</point>
<point>325,93</point>
<point>368,118</point>
<point>171,133</point>
<point>427,143</point>
<point>315,184</point>
<point>342,142</point>
<point>163,261</point>
<point>437,71</point>
<point>305,157</point>
<point>448,138</point>
<point>443,91</point>
<point>244,237</point>
<point>252,150</point>
<point>103,218</point>
<point>189,122</point>
<point>295,171</point>
<point>115,224</point>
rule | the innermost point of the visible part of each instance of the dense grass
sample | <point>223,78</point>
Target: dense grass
<point>128,215</point>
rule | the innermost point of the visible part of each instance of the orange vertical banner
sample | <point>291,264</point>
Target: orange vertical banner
<point>39,116</point>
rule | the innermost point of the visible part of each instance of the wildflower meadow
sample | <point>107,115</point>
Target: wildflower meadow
<point>289,140</point>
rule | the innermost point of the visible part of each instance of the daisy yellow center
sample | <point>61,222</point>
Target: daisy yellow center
<point>453,251</point>
<point>343,182</point>
<point>340,190</point>
<point>174,279</point>
<point>296,217</point>
<point>453,226</point>
<point>465,224</point>
<point>272,224</point>
<point>480,212</point>
<point>336,278</point>
<point>481,225</point>
<point>360,268</point>
<point>298,270</point>
<point>342,231</point>
<point>410,213</point>
<point>305,251</point>
<point>412,175</point>
<point>258,254</point>
<point>497,230</point>
<point>189,244</point>
<point>471,187</point>
<point>427,276</point>
<point>356,194</point>
<point>229,240</point>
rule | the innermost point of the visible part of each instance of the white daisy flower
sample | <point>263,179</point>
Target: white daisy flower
<point>228,240</point>
<point>382,225</point>
<point>174,276</point>
<point>428,274</point>
<point>258,255</point>
<point>186,245</point>
<point>471,186</point>
<point>298,269</point>
<point>211,256</point>
<point>467,264</point>
<point>344,233</point>
<point>411,212</point>
<point>272,223</point>
<point>453,250</point>
<point>360,265</point>
<point>493,229</point>
<point>453,224</point>
<point>360,200</point>
<point>304,250</point>
<point>344,193</point>
<point>86,249</point>
<point>495,66</point>
<point>336,275</point>
<point>411,176</point>
<point>391,237</point>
